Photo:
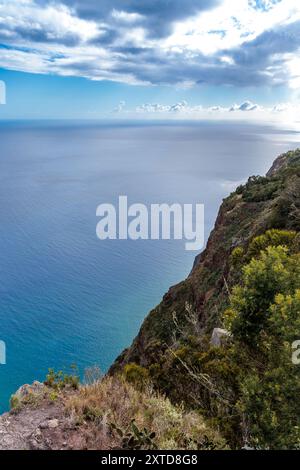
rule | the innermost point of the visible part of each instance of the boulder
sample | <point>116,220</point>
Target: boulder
<point>218,337</point>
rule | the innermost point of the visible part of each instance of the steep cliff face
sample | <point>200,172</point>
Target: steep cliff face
<point>199,301</point>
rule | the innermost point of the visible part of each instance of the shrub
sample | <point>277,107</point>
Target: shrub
<point>269,393</point>
<point>59,380</point>
<point>134,438</point>
<point>259,188</point>
<point>264,319</point>
<point>120,403</point>
<point>237,255</point>
<point>273,237</point>
<point>275,271</point>
<point>136,375</point>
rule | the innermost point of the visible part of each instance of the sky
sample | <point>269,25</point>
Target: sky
<point>140,59</point>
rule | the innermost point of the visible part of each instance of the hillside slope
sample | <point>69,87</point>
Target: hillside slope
<point>222,340</point>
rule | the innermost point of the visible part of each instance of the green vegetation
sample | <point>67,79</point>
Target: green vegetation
<point>136,375</point>
<point>274,271</point>
<point>60,380</point>
<point>249,387</point>
<point>135,439</point>
<point>259,188</point>
<point>264,319</point>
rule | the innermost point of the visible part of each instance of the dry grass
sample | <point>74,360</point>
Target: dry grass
<point>113,400</point>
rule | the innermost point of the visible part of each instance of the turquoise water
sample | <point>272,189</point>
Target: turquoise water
<point>65,296</point>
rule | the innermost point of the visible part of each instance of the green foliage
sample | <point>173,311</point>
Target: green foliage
<point>134,438</point>
<point>264,320</point>
<point>60,380</point>
<point>275,271</point>
<point>249,387</point>
<point>292,162</point>
<point>237,255</point>
<point>269,393</point>
<point>259,188</point>
<point>53,395</point>
<point>273,237</point>
<point>136,375</point>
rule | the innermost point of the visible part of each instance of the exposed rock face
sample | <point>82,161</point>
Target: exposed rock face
<point>25,390</point>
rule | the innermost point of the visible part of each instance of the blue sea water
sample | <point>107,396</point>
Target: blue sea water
<point>67,297</point>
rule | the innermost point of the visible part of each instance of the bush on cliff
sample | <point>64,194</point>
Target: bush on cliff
<point>264,319</point>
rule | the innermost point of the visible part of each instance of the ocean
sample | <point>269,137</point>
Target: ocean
<point>65,296</point>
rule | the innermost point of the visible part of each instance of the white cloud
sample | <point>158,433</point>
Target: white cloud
<point>245,106</point>
<point>282,112</point>
<point>53,22</point>
<point>224,45</point>
<point>126,17</point>
<point>230,25</point>
<point>182,107</point>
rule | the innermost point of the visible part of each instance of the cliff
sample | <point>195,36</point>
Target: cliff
<point>261,204</point>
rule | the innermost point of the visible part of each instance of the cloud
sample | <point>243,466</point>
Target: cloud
<point>156,16</point>
<point>162,108</point>
<point>215,42</point>
<point>287,112</point>
<point>245,106</point>
<point>120,107</point>
<point>269,53</point>
<point>280,108</point>
<point>182,107</point>
<point>264,5</point>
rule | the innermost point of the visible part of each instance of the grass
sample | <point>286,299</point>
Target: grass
<point>114,403</point>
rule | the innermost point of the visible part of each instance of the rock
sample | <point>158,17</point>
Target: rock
<point>236,241</point>
<point>53,423</point>
<point>218,337</point>
<point>25,390</point>
<point>49,424</point>
<point>44,425</point>
<point>37,433</point>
